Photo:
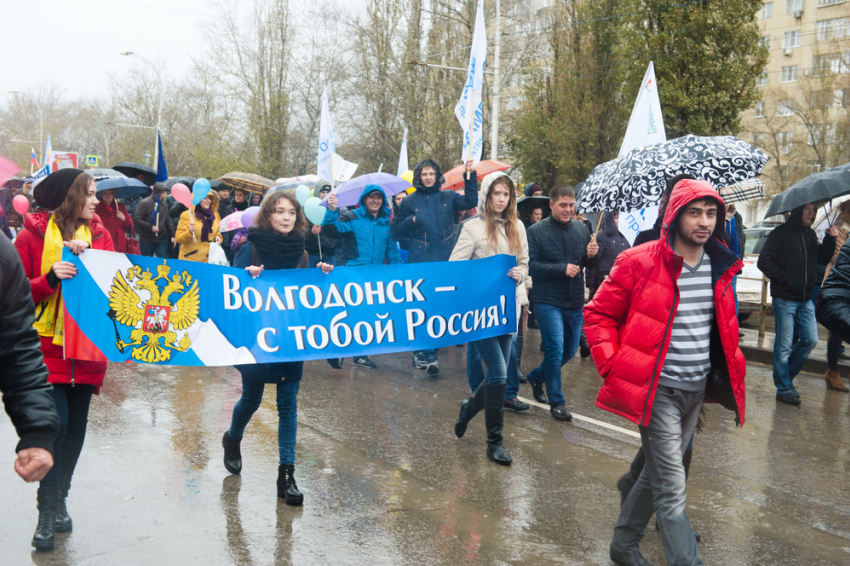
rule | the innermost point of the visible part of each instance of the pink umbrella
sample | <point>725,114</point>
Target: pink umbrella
<point>231,221</point>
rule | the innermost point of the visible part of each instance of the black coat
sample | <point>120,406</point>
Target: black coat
<point>833,304</point>
<point>611,243</point>
<point>23,375</point>
<point>790,258</point>
<point>551,247</point>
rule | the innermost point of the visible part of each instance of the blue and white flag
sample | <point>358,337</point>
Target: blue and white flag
<point>128,308</point>
<point>402,156</point>
<point>48,149</point>
<point>324,157</point>
<point>470,109</point>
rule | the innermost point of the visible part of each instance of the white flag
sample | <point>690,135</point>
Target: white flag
<point>469,109</point>
<point>343,170</point>
<point>48,149</point>
<point>402,156</point>
<point>646,125</point>
<point>326,141</point>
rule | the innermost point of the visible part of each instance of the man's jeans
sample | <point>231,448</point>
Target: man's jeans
<point>792,317</point>
<point>475,373</point>
<point>560,330</point>
<point>661,485</point>
<point>149,249</point>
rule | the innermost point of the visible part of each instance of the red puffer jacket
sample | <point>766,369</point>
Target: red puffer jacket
<point>629,321</point>
<point>30,245</point>
<point>116,227</point>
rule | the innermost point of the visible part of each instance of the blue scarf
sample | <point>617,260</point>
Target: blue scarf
<point>155,209</point>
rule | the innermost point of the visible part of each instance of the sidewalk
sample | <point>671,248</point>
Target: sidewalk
<point>761,350</point>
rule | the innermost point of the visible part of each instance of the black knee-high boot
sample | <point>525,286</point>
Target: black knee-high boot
<point>63,522</point>
<point>494,417</point>
<point>468,409</point>
<point>44,537</point>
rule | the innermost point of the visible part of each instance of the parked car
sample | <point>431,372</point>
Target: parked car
<point>750,279</point>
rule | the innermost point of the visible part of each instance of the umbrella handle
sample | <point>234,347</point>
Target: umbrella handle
<point>599,223</point>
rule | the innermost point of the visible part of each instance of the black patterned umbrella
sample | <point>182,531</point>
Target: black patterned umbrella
<point>637,179</point>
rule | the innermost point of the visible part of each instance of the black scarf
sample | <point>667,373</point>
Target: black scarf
<point>207,217</point>
<point>277,251</point>
<point>240,205</point>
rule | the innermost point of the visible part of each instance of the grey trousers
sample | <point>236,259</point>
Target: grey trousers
<point>661,485</point>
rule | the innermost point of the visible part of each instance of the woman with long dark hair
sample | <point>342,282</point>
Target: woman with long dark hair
<point>496,230</point>
<point>66,219</point>
<point>276,243</point>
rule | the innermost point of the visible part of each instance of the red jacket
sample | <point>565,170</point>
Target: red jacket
<point>117,228</point>
<point>30,245</point>
<point>629,321</point>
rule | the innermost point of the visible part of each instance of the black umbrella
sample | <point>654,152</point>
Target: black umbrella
<point>817,188</point>
<point>132,169</point>
<point>638,178</point>
<point>524,205</point>
<point>188,181</point>
<point>217,185</point>
<point>14,183</point>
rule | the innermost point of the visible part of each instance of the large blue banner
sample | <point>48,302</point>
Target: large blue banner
<point>128,308</point>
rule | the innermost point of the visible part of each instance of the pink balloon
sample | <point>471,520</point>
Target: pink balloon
<point>181,194</point>
<point>249,215</point>
<point>21,204</point>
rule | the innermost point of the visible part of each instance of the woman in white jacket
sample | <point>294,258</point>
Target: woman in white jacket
<point>496,230</point>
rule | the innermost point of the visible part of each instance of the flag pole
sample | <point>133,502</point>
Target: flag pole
<point>471,122</point>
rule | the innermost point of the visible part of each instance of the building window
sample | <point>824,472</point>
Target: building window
<point>794,6</point>
<point>830,64</point>
<point>789,74</point>
<point>785,140</point>
<point>828,2</point>
<point>835,28</point>
<point>786,107</point>
<point>792,39</point>
<point>767,11</point>
<point>764,41</point>
<point>761,80</point>
<point>759,110</point>
<point>758,139</point>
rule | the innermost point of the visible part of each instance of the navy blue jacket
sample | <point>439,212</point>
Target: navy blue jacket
<point>432,235</point>
<point>366,240</point>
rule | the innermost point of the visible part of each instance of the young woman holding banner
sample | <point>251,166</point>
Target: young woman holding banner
<point>276,243</point>
<point>496,230</point>
<point>70,195</point>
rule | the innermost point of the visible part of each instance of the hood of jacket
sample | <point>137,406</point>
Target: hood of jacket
<point>609,226</point>
<point>385,208</point>
<point>796,217</point>
<point>685,192</point>
<point>317,188</point>
<point>428,162</point>
<point>36,222</point>
<point>529,188</point>
<point>485,189</point>
<point>214,201</point>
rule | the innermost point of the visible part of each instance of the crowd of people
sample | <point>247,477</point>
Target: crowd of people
<point>658,318</point>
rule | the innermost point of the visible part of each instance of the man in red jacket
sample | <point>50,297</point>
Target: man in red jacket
<point>664,336</point>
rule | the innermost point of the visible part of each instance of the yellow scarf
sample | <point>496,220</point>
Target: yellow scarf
<point>49,313</point>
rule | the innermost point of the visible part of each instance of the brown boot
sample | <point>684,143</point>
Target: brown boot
<point>833,381</point>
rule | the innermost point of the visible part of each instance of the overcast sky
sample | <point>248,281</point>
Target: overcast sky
<point>76,43</point>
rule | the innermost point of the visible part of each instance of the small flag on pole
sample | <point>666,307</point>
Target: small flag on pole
<point>161,169</point>
<point>469,109</point>
<point>33,159</point>
<point>402,156</point>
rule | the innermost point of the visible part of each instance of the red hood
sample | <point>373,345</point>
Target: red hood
<point>689,190</point>
<point>36,222</point>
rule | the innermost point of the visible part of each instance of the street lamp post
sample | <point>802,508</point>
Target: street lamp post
<point>159,111</point>
<point>40,116</point>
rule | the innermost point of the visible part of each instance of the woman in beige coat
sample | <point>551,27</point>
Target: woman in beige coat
<point>496,230</point>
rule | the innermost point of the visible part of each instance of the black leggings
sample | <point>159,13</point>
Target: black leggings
<point>833,347</point>
<point>72,404</point>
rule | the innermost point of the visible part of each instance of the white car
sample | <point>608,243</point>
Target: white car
<point>750,279</point>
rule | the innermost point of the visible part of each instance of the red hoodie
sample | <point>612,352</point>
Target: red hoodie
<point>630,319</point>
<point>30,245</point>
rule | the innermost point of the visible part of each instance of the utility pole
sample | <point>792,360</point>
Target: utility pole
<point>494,118</point>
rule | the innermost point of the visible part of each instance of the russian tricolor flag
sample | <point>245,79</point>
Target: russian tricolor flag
<point>33,159</point>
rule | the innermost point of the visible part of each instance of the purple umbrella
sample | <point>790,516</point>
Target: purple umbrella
<point>348,193</point>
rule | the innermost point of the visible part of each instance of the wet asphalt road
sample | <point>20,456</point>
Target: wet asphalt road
<point>386,482</point>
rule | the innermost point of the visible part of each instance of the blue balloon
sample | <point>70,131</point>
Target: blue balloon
<point>302,193</point>
<point>200,191</point>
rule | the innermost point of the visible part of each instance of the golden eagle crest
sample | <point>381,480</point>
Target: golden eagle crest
<point>153,320</point>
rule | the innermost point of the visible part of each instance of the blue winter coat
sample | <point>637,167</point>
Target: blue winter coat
<point>366,240</point>
<point>432,235</point>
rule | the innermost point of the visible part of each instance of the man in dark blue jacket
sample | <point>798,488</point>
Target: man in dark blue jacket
<point>559,248</point>
<point>427,219</point>
<point>367,238</point>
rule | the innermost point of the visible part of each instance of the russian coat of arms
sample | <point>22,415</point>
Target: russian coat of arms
<point>144,303</point>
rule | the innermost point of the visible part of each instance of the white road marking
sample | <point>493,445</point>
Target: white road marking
<point>585,419</point>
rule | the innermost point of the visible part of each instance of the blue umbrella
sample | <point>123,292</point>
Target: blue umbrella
<point>348,193</point>
<point>124,187</point>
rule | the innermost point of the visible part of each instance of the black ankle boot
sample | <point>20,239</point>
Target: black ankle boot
<point>232,454</point>
<point>63,523</point>
<point>44,537</point>
<point>286,487</point>
<point>494,417</point>
<point>468,409</point>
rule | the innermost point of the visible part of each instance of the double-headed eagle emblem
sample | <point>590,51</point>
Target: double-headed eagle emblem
<point>154,320</point>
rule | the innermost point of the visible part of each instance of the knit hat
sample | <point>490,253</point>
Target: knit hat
<point>50,193</point>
